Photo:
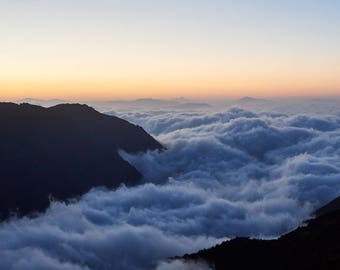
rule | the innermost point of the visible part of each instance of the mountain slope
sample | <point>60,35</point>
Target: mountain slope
<point>62,151</point>
<point>329,207</point>
<point>315,246</point>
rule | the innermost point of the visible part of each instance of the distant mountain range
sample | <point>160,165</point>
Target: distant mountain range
<point>63,152</point>
<point>313,246</point>
<point>250,100</point>
<point>151,103</point>
<point>142,103</point>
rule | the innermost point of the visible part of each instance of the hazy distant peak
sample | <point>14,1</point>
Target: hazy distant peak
<point>251,99</point>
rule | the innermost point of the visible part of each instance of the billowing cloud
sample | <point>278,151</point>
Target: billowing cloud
<point>225,174</point>
<point>105,230</point>
<point>183,265</point>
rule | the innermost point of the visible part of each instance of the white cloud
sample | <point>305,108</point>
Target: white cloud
<point>225,174</point>
<point>183,265</point>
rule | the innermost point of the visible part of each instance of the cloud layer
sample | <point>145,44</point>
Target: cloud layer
<point>225,174</point>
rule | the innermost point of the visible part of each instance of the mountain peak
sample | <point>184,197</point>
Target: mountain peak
<point>251,99</point>
<point>63,151</point>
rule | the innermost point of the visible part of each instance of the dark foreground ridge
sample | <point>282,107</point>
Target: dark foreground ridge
<point>328,208</point>
<point>62,151</point>
<point>314,246</point>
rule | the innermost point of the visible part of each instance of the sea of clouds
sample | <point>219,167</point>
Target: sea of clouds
<point>224,174</point>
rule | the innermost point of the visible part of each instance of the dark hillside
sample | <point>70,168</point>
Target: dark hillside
<point>62,151</point>
<point>314,246</point>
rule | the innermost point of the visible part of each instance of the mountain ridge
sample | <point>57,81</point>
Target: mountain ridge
<point>315,245</point>
<point>63,151</point>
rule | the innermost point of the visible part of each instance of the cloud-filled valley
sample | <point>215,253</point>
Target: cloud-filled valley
<point>224,174</point>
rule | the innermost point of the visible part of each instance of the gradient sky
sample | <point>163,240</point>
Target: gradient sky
<point>168,48</point>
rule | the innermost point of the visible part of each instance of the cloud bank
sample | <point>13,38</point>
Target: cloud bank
<point>225,174</point>
<point>183,265</point>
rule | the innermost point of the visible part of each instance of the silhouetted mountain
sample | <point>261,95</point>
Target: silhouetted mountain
<point>62,151</point>
<point>329,207</point>
<point>41,102</point>
<point>313,246</point>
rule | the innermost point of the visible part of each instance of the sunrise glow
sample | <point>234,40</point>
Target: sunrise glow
<point>164,49</point>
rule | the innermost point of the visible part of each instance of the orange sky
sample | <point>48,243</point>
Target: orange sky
<point>116,50</point>
<point>111,90</point>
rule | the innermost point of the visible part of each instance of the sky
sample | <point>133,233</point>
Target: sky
<point>149,48</point>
